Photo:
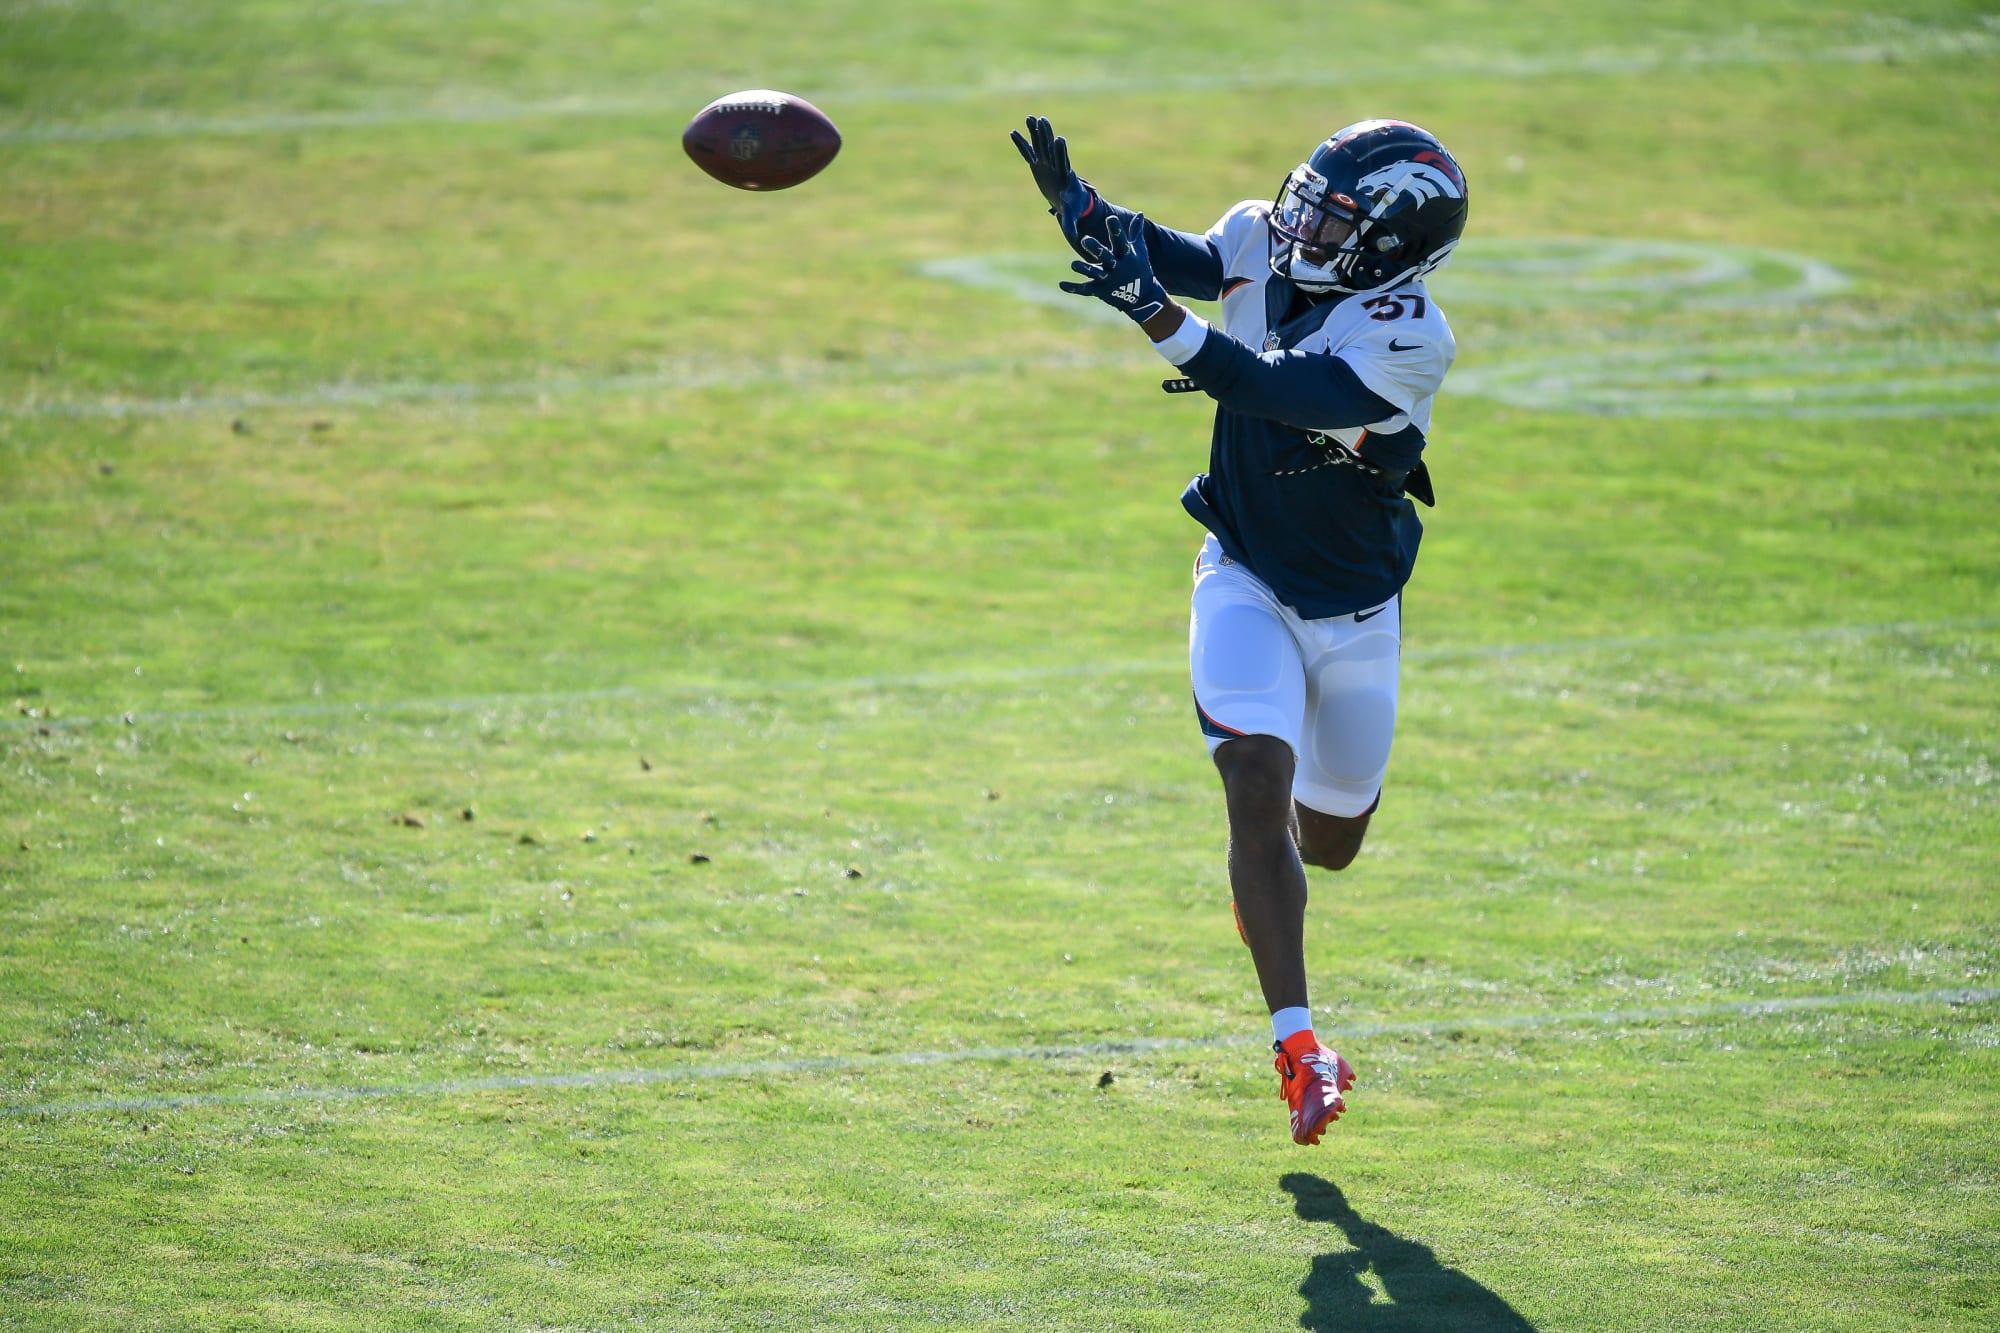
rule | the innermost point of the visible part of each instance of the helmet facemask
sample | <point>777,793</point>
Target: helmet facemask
<point>1380,204</point>
<point>1314,233</point>
<point>1324,241</point>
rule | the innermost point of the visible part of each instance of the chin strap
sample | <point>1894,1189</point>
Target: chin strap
<point>1319,280</point>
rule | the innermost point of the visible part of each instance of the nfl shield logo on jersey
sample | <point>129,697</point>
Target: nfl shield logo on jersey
<point>1271,341</point>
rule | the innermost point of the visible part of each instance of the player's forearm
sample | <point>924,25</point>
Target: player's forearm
<point>1185,262</point>
<point>1166,323</point>
<point>1314,390</point>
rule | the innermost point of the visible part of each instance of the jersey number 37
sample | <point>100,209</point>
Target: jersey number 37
<point>1386,308</point>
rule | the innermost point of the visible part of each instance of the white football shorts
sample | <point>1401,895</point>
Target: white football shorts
<point>1327,688</point>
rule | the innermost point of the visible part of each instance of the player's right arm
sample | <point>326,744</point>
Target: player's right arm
<point>1312,390</point>
<point>1187,264</point>
<point>1370,364</point>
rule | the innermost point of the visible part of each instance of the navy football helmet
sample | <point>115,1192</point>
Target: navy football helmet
<point>1380,203</point>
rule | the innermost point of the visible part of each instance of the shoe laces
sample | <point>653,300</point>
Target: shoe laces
<point>1320,1061</point>
<point>1294,1074</point>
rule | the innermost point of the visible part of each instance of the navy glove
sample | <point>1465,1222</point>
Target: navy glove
<point>1121,275</point>
<point>1070,199</point>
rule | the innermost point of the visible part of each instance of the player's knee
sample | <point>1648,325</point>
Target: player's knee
<point>1256,775</point>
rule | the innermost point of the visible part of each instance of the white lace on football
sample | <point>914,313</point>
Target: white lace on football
<point>750,99</point>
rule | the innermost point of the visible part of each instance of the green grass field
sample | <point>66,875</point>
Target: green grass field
<point>545,694</point>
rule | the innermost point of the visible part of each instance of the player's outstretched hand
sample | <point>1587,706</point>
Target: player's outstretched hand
<point>1120,274</point>
<point>1069,197</point>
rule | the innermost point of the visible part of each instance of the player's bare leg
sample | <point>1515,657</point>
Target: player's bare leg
<point>1265,874</point>
<point>1330,842</point>
<point>1268,881</point>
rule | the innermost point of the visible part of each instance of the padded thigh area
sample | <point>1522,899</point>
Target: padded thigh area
<point>1247,650</point>
<point>1247,675</point>
<point>1351,712</point>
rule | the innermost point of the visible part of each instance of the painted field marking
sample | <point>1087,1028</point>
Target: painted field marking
<point>1635,378</point>
<point>1027,276</point>
<point>1795,381</point>
<point>1878,42</point>
<point>1783,377</point>
<point>1509,271</point>
<point>1632,273</point>
<point>1652,380</point>
<point>1134,1046</point>
<point>672,377</point>
<point>979,677</point>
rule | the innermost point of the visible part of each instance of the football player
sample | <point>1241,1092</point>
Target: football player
<point>1322,365</point>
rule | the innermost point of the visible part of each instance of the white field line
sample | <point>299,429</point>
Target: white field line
<point>1880,42</point>
<point>1131,1047</point>
<point>976,678</point>
<point>1668,381</point>
<point>673,377</point>
<point>1557,270</point>
<point>1001,273</point>
<point>1600,384</point>
<point>1641,377</point>
<point>1633,376</point>
<point>1509,271</point>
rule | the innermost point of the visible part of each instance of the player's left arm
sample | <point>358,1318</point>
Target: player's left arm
<point>1186,263</point>
<point>1314,390</point>
<point>1311,390</point>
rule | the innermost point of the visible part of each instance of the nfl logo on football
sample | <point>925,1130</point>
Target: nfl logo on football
<point>743,144</point>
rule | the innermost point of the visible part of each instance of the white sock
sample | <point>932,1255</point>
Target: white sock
<point>1287,1021</point>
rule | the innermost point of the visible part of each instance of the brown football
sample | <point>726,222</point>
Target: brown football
<point>761,140</point>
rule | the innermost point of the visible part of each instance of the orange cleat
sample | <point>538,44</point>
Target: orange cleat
<point>1311,1079</point>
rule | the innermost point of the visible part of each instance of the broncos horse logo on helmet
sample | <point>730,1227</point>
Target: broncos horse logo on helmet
<point>1380,203</point>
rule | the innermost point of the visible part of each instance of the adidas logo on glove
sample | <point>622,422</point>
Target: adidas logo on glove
<point>1126,294</point>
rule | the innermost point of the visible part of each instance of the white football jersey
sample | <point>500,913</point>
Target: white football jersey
<point>1397,342</point>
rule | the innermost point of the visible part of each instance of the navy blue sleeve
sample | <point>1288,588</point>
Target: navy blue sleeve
<point>1186,263</point>
<point>1394,454</point>
<point>1310,390</point>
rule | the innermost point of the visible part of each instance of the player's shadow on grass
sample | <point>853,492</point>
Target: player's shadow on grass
<point>1423,1294</point>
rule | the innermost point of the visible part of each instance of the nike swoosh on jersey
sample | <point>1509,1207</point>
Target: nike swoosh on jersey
<point>1395,346</point>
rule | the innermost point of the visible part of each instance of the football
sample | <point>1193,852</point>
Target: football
<point>761,140</point>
